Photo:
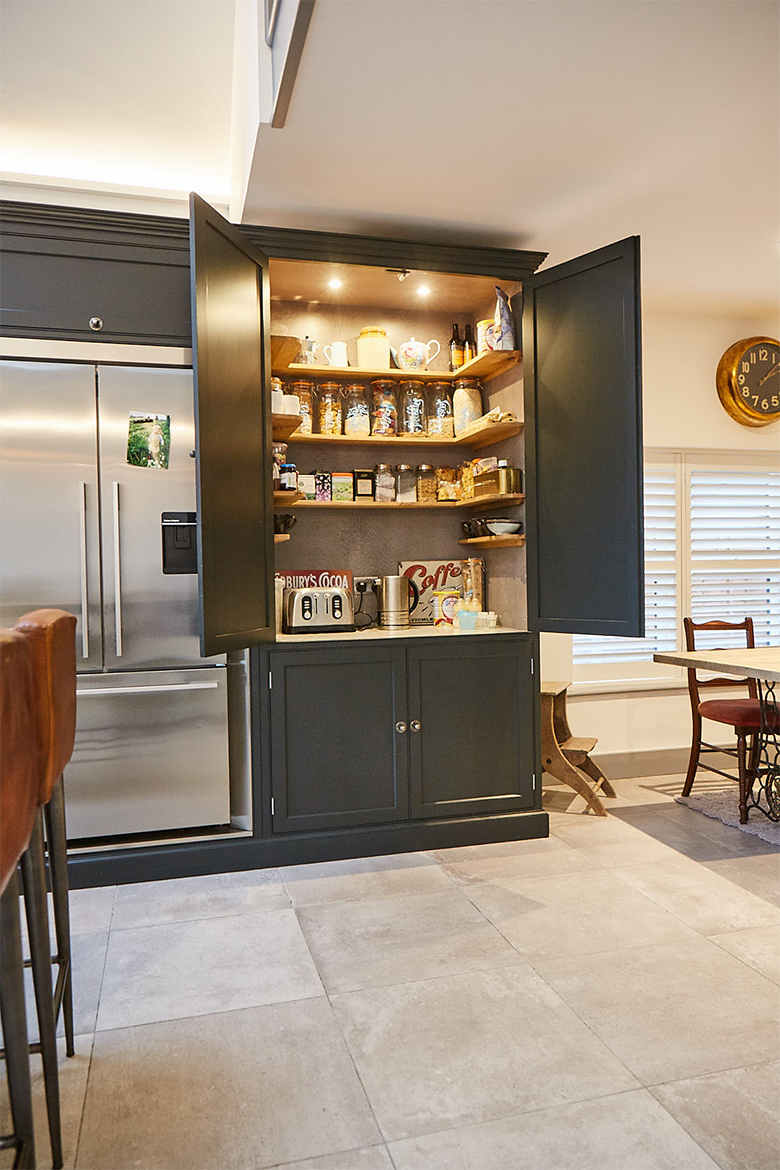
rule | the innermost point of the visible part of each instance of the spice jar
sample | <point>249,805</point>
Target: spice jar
<point>384,483</point>
<point>440,421</point>
<point>305,393</point>
<point>411,418</point>
<point>426,484</point>
<point>466,403</point>
<point>384,415</point>
<point>405,484</point>
<point>280,457</point>
<point>288,477</point>
<point>329,412</point>
<point>356,417</point>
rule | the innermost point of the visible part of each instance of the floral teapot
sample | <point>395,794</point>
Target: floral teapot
<point>414,355</point>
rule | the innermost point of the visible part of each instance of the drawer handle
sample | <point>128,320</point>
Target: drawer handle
<point>416,725</point>
<point>400,727</point>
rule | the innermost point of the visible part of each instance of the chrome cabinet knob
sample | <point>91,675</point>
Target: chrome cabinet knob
<point>95,323</point>
<point>400,727</point>
<point>416,725</point>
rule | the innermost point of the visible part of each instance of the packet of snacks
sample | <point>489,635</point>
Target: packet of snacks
<point>447,487</point>
<point>466,480</point>
<point>503,329</point>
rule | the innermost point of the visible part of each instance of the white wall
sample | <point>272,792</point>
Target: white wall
<point>681,411</point>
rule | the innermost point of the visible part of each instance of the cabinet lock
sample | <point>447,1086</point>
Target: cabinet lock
<point>400,727</point>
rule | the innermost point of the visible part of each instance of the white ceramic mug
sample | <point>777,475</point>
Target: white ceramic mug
<point>336,353</point>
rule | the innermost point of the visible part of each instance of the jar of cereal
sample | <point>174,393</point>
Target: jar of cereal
<point>467,403</point>
<point>411,419</point>
<point>329,411</point>
<point>440,421</point>
<point>356,417</point>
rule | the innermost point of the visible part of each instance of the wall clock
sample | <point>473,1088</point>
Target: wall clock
<point>748,381</point>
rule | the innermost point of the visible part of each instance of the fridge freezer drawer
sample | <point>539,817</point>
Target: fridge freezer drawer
<point>151,753</point>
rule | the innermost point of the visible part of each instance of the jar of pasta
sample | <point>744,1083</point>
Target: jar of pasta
<point>356,416</point>
<point>440,421</point>
<point>426,484</point>
<point>329,409</point>
<point>466,403</point>
<point>305,394</point>
<point>384,414</point>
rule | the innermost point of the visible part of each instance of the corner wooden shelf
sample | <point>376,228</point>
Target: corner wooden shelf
<point>442,505</point>
<point>509,540</point>
<point>284,350</point>
<point>478,435</point>
<point>287,498</point>
<point>486,366</point>
<point>283,426</point>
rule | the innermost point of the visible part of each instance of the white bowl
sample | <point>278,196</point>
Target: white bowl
<point>503,527</point>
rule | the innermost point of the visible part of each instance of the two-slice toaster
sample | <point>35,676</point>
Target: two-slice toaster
<point>317,611</point>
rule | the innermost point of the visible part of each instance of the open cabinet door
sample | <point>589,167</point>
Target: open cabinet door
<point>583,443</point>
<point>231,358</point>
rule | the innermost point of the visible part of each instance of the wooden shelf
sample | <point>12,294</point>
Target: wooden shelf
<point>483,501</point>
<point>486,366</point>
<point>509,540</point>
<point>287,498</point>
<point>283,426</point>
<point>284,350</point>
<point>280,536</point>
<point>478,435</point>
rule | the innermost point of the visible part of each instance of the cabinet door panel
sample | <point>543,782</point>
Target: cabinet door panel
<point>583,439</point>
<point>474,751</point>
<point>336,756</point>
<point>231,357</point>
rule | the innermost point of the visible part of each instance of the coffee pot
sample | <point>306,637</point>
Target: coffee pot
<point>397,597</point>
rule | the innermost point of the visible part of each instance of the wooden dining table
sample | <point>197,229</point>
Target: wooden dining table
<point>763,664</point>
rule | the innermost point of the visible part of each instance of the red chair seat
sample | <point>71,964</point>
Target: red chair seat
<point>736,712</point>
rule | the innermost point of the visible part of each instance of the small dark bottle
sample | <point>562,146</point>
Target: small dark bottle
<point>469,345</point>
<point>456,349</point>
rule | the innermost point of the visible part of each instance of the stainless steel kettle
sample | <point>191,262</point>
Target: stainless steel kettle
<point>397,597</point>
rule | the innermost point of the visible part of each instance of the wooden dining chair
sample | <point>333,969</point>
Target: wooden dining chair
<point>743,714</point>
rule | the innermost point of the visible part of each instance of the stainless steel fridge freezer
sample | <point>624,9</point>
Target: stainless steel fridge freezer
<point>82,529</point>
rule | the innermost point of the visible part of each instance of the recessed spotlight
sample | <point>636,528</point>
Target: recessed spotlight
<point>334,282</point>
<point>423,290</point>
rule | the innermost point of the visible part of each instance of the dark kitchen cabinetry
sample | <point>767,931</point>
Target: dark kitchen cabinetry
<point>422,729</point>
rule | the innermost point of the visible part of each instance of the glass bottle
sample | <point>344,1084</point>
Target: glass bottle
<point>473,583</point>
<point>466,403</point>
<point>456,349</point>
<point>356,415</point>
<point>384,415</point>
<point>329,410</point>
<point>469,346</point>
<point>426,484</point>
<point>440,420</point>
<point>305,393</point>
<point>411,419</point>
<point>405,484</point>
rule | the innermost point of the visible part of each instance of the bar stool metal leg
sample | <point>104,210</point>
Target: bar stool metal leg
<point>54,814</point>
<point>36,906</point>
<point>14,1019</point>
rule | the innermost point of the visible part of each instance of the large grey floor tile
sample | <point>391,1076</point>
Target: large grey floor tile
<point>364,877</point>
<point>626,1132</point>
<point>760,874</point>
<point>672,1011</point>
<point>367,1158</point>
<point>469,1048</point>
<point>609,841</point>
<point>705,900</point>
<point>681,835</point>
<point>242,1090</point>
<point>574,914</point>
<point>212,896</point>
<point>73,1072</point>
<point>88,957</point>
<point>212,965</point>
<point>759,947</point>
<point>398,940</point>
<point>734,1115</point>
<point>91,910</point>
<point>510,859</point>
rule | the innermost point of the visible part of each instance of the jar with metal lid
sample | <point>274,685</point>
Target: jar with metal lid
<point>356,416</point>
<point>466,403</point>
<point>405,484</point>
<point>277,385</point>
<point>427,481</point>
<point>305,393</point>
<point>288,477</point>
<point>384,483</point>
<point>373,349</point>
<point>384,413</point>
<point>440,421</point>
<point>329,408</point>
<point>411,417</point>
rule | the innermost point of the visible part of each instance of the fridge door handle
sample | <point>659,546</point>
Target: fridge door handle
<point>84,584</point>
<point>98,692</point>
<point>117,577</point>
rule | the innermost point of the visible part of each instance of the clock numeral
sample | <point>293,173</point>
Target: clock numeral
<point>775,401</point>
<point>763,355</point>
<point>746,392</point>
<point>752,357</point>
<point>741,379</point>
<point>765,404</point>
<point>755,400</point>
<point>746,367</point>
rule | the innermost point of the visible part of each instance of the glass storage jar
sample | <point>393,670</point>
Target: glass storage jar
<point>405,484</point>
<point>384,414</point>
<point>466,403</point>
<point>305,393</point>
<point>440,421</point>
<point>329,409</point>
<point>411,418</point>
<point>356,416</point>
<point>426,484</point>
<point>384,483</point>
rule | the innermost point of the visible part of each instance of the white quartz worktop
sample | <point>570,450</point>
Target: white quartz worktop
<point>380,634</point>
<point>761,662</point>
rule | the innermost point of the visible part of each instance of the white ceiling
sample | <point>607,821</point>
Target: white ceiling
<point>557,125</point>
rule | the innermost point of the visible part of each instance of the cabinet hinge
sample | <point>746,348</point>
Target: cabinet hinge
<point>272,806</point>
<point>270,681</point>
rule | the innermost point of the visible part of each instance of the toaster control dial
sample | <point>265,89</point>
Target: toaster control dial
<point>306,609</point>
<point>336,607</point>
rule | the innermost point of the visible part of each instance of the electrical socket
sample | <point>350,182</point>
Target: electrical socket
<point>363,584</point>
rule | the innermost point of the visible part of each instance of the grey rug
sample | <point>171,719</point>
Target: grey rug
<point>724,806</point>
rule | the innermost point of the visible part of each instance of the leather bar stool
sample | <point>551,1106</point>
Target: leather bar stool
<point>19,778</point>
